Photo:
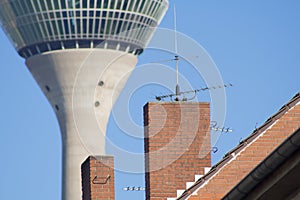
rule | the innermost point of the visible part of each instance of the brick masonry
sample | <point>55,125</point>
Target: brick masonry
<point>177,146</point>
<point>98,178</point>
<point>243,163</point>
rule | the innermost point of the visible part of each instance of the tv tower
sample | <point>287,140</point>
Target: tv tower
<point>81,53</point>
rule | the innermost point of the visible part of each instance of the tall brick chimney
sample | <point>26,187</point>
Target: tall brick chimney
<point>98,178</point>
<point>177,146</point>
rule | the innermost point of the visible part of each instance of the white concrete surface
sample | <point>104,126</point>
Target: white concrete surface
<point>69,79</point>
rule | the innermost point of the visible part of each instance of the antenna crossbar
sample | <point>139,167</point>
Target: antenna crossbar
<point>178,93</point>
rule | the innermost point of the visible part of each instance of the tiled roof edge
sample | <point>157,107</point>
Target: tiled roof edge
<point>216,168</point>
<point>261,171</point>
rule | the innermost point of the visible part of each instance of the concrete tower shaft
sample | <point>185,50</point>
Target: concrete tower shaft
<point>82,87</point>
<point>81,53</point>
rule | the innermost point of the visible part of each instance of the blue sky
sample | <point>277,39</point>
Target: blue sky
<point>255,45</point>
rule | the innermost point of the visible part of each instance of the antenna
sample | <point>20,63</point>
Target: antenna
<point>194,92</point>
<point>177,89</point>
<point>176,58</point>
<point>134,188</point>
<point>214,127</point>
<point>175,30</point>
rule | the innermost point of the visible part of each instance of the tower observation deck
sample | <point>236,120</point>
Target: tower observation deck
<point>81,53</point>
<point>46,25</point>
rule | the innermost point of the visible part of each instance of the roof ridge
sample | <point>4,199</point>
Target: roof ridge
<point>270,120</point>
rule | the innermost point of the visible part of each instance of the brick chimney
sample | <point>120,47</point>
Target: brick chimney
<point>177,146</point>
<point>97,175</point>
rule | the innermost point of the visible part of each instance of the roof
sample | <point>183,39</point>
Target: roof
<point>267,167</point>
<point>243,144</point>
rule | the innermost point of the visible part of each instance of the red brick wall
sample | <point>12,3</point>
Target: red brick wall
<point>177,146</point>
<point>98,178</point>
<point>232,173</point>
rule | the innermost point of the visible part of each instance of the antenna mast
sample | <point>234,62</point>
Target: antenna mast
<point>177,89</point>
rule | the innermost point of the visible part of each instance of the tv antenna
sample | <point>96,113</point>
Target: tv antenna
<point>132,189</point>
<point>176,96</point>
<point>194,92</point>
<point>214,127</point>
